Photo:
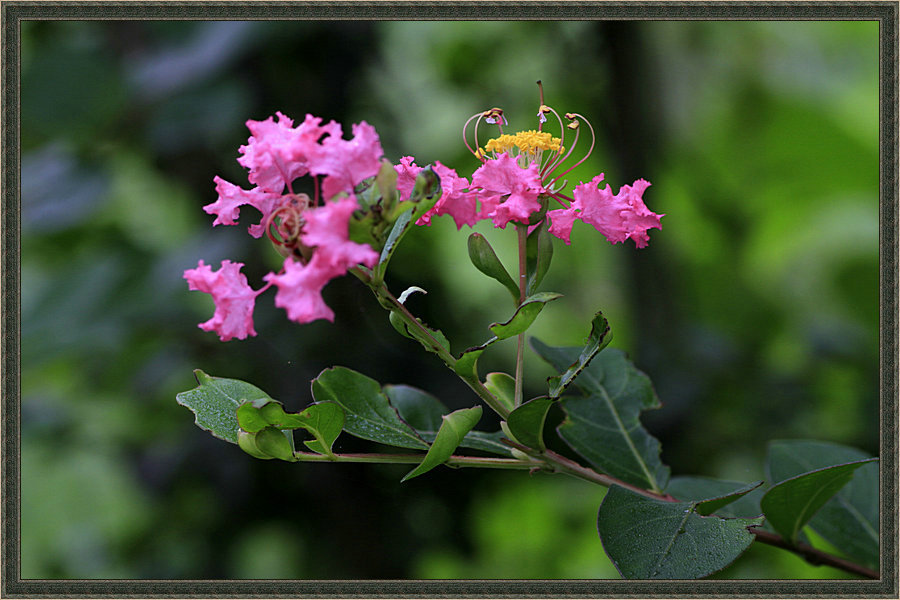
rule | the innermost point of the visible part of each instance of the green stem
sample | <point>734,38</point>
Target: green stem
<point>522,233</point>
<point>388,301</point>
<point>453,461</point>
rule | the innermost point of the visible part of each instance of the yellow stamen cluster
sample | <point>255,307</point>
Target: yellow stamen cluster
<point>525,141</point>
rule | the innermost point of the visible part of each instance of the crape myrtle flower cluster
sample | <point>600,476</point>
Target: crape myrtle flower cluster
<point>519,177</point>
<point>313,233</point>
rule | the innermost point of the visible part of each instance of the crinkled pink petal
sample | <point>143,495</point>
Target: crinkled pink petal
<point>455,200</point>
<point>347,162</point>
<point>618,217</point>
<point>300,290</point>
<point>561,221</point>
<point>327,229</point>
<point>278,153</point>
<point>407,171</point>
<point>232,197</point>
<point>504,177</point>
<point>234,299</point>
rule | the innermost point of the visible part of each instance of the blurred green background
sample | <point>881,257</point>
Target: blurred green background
<point>754,309</point>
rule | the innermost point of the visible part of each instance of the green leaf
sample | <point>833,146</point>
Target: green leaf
<point>425,413</point>
<point>712,495</point>
<point>598,339</point>
<point>538,253</point>
<point>503,387</point>
<point>651,539</point>
<point>247,442</point>
<point>394,237</point>
<point>789,505</point>
<point>467,363</point>
<point>419,409</point>
<point>602,424</point>
<point>527,422</point>
<point>524,316</point>
<point>215,402</point>
<point>849,520</point>
<point>323,420</point>
<point>739,499</point>
<point>368,413</point>
<point>485,260</point>
<point>454,428</point>
<point>273,442</point>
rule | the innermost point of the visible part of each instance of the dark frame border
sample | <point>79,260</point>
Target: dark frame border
<point>15,11</point>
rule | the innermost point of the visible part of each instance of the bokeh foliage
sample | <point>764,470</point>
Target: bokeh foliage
<point>754,310</point>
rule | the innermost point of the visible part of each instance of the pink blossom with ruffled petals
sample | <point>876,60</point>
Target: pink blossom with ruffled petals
<point>327,229</point>
<point>455,200</point>
<point>618,217</point>
<point>300,289</point>
<point>407,171</point>
<point>231,198</point>
<point>233,297</point>
<point>501,177</point>
<point>278,153</point>
<point>347,162</point>
<point>561,222</point>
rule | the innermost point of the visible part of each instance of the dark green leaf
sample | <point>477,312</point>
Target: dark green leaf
<point>711,495</point>
<point>603,424</point>
<point>215,402</point>
<point>524,316</point>
<point>849,520</point>
<point>651,539</point>
<point>598,339</point>
<point>419,409</point>
<point>503,387</point>
<point>397,232</point>
<point>742,498</point>
<point>454,428</point>
<point>789,505</point>
<point>485,260</point>
<point>527,422</point>
<point>368,413</point>
<point>538,253</point>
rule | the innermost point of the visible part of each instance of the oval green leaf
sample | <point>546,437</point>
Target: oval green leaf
<point>651,539</point>
<point>603,424</point>
<point>789,505</point>
<point>850,520</point>
<point>368,413</point>
<point>503,387</point>
<point>215,401</point>
<point>485,260</point>
<point>527,422</point>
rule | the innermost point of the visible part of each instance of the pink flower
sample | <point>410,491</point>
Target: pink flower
<point>407,171</point>
<point>327,229</point>
<point>618,217</point>
<point>231,198</point>
<point>510,190</point>
<point>278,153</point>
<point>561,222</point>
<point>233,297</point>
<point>316,228</point>
<point>347,162</point>
<point>300,289</point>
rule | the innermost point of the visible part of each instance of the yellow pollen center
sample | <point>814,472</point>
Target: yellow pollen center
<point>526,141</point>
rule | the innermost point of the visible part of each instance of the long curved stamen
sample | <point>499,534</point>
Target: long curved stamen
<point>591,149</point>
<point>562,160</point>
<point>466,141</point>
<point>556,160</point>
